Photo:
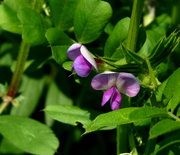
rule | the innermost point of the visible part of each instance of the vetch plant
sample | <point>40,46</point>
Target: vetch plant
<point>132,58</point>
<point>83,60</point>
<point>114,83</point>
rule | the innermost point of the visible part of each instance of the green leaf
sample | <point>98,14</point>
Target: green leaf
<point>112,118</point>
<point>172,90</point>
<point>60,42</point>
<point>8,13</point>
<point>90,19</point>
<point>160,89</point>
<point>62,13</point>
<point>9,20</point>
<point>147,112</point>
<point>164,126</point>
<point>113,46</point>
<point>85,80</point>
<point>172,148</point>
<point>170,142</point>
<point>28,134</point>
<point>67,65</point>
<point>134,56</point>
<point>8,148</point>
<point>30,93</point>
<point>163,48</point>
<point>124,116</point>
<point>70,114</point>
<point>34,27</point>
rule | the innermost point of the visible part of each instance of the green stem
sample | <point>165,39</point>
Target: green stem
<point>122,130</point>
<point>132,143</point>
<point>122,139</point>
<point>175,14</point>
<point>134,24</point>
<point>151,73</point>
<point>173,116</point>
<point>151,142</point>
<point>16,78</point>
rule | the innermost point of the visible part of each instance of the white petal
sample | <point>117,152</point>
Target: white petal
<point>87,55</point>
<point>128,84</point>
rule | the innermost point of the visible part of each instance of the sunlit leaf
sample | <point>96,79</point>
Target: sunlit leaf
<point>113,46</point>
<point>8,13</point>
<point>70,114</point>
<point>116,117</point>
<point>34,27</point>
<point>28,134</point>
<point>124,116</point>
<point>60,42</point>
<point>90,19</point>
<point>62,13</point>
<point>171,91</point>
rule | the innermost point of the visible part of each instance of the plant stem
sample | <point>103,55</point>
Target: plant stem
<point>134,24</point>
<point>175,14</point>
<point>16,78</point>
<point>173,116</point>
<point>122,139</point>
<point>132,143</point>
<point>122,131</point>
<point>151,142</point>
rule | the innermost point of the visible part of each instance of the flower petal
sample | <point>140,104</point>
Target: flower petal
<point>74,51</point>
<point>82,66</point>
<point>107,95</point>
<point>115,100</point>
<point>128,84</point>
<point>87,55</point>
<point>104,81</point>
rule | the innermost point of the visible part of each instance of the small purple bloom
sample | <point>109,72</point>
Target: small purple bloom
<point>114,83</point>
<point>83,60</point>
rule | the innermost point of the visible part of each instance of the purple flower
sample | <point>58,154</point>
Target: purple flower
<point>83,60</point>
<point>114,83</point>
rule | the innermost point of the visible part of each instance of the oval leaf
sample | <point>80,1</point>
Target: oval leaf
<point>163,127</point>
<point>34,27</point>
<point>113,46</point>
<point>112,118</point>
<point>9,20</point>
<point>60,42</point>
<point>90,19</point>
<point>62,13</point>
<point>146,112</point>
<point>28,134</point>
<point>70,114</point>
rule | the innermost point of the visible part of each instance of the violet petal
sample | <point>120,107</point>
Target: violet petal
<point>82,66</point>
<point>74,51</point>
<point>115,100</point>
<point>107,95</point>
<point>104,81</point>
<point>87,55</point>
<point>128,84</point>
